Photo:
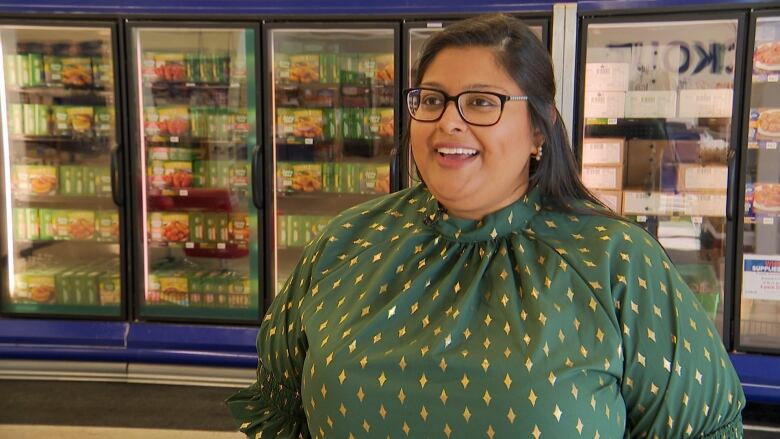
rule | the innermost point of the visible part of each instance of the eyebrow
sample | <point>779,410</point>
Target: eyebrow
<point>468,87</point>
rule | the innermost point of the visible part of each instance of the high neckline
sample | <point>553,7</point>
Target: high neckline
<point>500,223</point>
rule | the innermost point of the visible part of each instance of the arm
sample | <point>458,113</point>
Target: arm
<point>678,380</point>
<point>272,405</point>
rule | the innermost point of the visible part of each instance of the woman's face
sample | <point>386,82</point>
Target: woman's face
<point>474,185</point>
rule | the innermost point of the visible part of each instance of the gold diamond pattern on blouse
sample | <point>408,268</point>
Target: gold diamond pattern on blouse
<point>513,326</point>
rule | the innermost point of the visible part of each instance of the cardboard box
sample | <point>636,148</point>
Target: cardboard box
<point>651,104</point>
<point>702,178</point>
<point>705,204</point>
<point>606,76</point>
<point>706,103</point>
<point>610,104</point>
<point>603,151</point>
<point>603,177</point>
<point>611,199</point>
<point>650,165</point>
<point>652,203</point>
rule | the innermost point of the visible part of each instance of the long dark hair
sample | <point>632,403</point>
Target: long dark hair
<point>527,61</point>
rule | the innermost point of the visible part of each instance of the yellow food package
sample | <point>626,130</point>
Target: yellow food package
<point>307,177</point>
<point>81,225</point>
<point>80,119</point>
<point>308,124</point>
<point>175,227</point>
<point>35,179</point>
<point>385,68</point>
<point>305,68</point>
<point>77,71</point>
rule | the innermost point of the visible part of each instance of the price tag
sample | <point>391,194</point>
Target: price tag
<point>174,139</point>
<point>752,145</point>
<point>697,220</point>
<point>234,85</point>
<point>771,145</point>
<point>309,141</point>
<point>189,84</point>
<point>221,245</point>
<point>641,219</point>
<point>183,192</point>
<point>612,121</point>
<point>768,220</point>
<point>773,78</point>
<point>189,244</point>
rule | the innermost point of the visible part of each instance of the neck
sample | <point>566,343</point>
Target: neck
<point>477,213</point>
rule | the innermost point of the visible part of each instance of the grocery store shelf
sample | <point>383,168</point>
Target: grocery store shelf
<point>63,92</point>
<point>315,203</point>
<point>220,250</point>
<point>84,144</point>
<point>186,85</point>
<point>68,201</point>
<point>206,199</point>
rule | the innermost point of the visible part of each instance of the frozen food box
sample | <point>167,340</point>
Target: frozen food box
<point>174,121</point>
<point>80,120</point>
<point>77,71</point>
<point>283,67</point>
<point>65,285</point>
<point>175,227</point>
<point>384,72</point>
<point>15,119</point>
<point>53,69</point>
<point>47,226</point>
<point>170,67</point>
<point>154,129</point>
<point>305,69</point>
<point>35,179</point>
<point>102,72</point>
<point>107,226</point>
<point>763,198</point>
<point>603,151</point>
<point>650,165</point>
<point>307,177</point>
<point>177,174</point>
<point>78,225</point>
<point>603,177</point>
<point>239,230</point>
<point>702,178</point>
<point>174,287</point>
<point>60,123</point>
<point>612,199</point>
<point>41,285</point>
<point>109,289</point>
<point>764,124</point>
<point>284,176</point>
<point>309,124</point>
<point>104,121</point>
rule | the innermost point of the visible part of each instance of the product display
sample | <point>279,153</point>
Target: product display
<point>61,119</point>
<point>200,227</point>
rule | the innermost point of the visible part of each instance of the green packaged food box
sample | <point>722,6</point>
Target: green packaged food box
<point>110,290</point>
<point>103,181</point>
<point>32,223</point>
<point>36,69</point>
<point>9,65</point>
<point>281,231</point>
<point>89,180</point>
<point>52,68</point>
<point>46,220</point>
<point>16,119</point>
<point>64,282</point>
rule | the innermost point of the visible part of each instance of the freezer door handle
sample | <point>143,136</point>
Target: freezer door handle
<point>257,177</point>
<point>117,189</point>
<point>732,182</point>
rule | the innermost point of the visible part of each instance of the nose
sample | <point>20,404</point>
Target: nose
<point>451,121</point>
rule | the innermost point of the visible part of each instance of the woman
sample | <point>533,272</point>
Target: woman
<point>495,299</point>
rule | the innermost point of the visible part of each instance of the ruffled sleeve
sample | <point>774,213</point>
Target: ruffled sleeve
<point>271,407</point>
<point>678,380</point>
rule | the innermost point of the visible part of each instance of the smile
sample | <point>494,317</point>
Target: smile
<point>445,152</point>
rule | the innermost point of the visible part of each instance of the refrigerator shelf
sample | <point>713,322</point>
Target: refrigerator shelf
<point>64,92</point>
<point>319,202</point>
<point>85,144</point>
<point>769,145</point>
<point>68,201</point>
<point>192,142</point>
<point>207,199</point>
<point>164,85</point>
<point>766,78</point>
<point>220,250</point>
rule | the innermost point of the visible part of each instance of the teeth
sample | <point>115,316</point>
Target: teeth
<point>462,151</point>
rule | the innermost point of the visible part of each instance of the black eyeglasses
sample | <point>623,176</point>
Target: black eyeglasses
<point>480,108</point>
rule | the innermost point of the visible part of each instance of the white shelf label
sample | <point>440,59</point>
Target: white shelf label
<point>612,121</point>
<point>189,84</point>
<point>174,139</point>
<point>234,85</point>
<point>773,78</point>
<point>309,141</point>
<point>641,219</point>
<point>189,244</point>
<point>184,192</point>
<point>221,245</point>
<point>768,220</point>
<point>771,145</point>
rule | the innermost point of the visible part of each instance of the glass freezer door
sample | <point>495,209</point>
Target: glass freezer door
<point>62,230</point>
<point>334,127</point>
<point>657,129</point>
<point>196,130</point>
<point>760,302</point>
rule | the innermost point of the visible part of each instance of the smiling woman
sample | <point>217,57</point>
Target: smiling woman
<point>497,279</point>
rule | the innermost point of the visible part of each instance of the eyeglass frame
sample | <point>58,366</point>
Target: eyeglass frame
<point>447,98</point>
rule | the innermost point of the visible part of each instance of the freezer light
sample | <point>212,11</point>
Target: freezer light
<point>7,173</point>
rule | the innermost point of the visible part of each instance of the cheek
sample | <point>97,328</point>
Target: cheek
<point>418,136</point>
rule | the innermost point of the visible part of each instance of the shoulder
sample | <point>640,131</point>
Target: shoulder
<point>586,235</point>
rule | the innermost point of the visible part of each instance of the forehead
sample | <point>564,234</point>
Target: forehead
<point>456,68</point>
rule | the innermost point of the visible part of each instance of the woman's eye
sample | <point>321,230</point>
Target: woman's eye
<point>431,100</point>
<point>481,101</point>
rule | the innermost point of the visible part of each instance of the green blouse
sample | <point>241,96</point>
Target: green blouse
<point>402,321</point>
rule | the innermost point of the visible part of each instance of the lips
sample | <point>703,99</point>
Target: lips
<point>454,156</point>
